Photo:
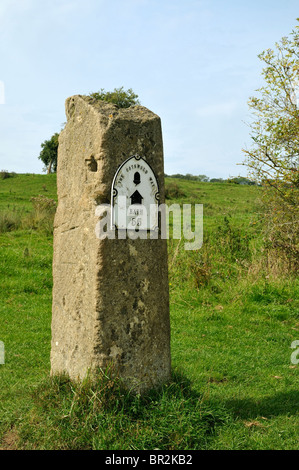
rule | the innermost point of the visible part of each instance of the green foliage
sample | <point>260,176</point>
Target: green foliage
<point>48,154</point>
<point>4,174</point>
<point>233,240</point>
<point>206,179</point>
<point>240,180</point>
<point>120,97</point>
<point>43,204</point>
<point>25,211</point>
<point>189,176</point>
<point>217,180</point>
<point>273,158</point>
<point>42,216</point>
<point>173,191</point>
<point>9,221</point>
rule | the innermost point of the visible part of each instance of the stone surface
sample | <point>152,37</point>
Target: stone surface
<point>110,297</point>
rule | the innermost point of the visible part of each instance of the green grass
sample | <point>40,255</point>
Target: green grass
<point>15,193</point>
<point>232,325</point>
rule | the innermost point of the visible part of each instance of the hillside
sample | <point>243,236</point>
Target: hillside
<point>233,321</point>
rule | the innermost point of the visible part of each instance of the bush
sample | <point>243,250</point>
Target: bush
<point>4,174</point>
<point>120,97</point>
<point>281,234</point>
<point>43,205</point>
<point>10,221</point>
<point>42,217</point>
<point>49,153</point>
<point>233,241</point>
<point>173,191</point>
<point>273,158</point>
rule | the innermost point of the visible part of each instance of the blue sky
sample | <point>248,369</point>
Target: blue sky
<point>192,62</point>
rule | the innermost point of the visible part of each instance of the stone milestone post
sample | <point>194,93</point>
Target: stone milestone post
<point>110,293</point>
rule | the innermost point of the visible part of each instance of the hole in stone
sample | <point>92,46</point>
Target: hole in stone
<point>92,164</point>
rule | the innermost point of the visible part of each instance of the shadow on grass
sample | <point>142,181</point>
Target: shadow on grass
<point>102,415</point>
<point>284,403</point>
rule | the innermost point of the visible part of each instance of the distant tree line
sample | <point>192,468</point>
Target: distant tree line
<point>206,179</point>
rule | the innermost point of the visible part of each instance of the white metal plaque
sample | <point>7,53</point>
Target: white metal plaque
<point>135,196</point>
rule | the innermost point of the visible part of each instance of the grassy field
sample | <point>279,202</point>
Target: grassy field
<point>233,320</point>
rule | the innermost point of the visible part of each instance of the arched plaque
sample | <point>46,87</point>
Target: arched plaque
<point>135,196</point>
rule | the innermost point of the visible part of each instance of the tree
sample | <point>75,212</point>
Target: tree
<point>48,155</point>
<point>203,178</point>
<point>273,158</point>
<point>122,98</point>
<point>217,180</point>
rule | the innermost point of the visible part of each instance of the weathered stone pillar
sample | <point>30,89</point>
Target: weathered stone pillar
<point>110,296</point>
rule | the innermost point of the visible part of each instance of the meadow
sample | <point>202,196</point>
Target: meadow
<point>234,315</point>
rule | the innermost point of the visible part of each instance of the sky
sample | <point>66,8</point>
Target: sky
<point>193,62</point>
